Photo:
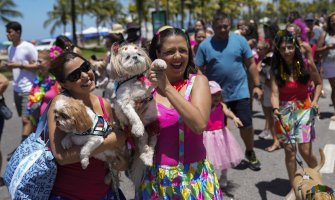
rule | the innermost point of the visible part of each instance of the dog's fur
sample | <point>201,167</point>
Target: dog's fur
<point>127,63</point>
<point>73,117</point>
<point>302,186</point>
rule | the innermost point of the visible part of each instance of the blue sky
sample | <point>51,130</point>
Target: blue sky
<point>34,14</point>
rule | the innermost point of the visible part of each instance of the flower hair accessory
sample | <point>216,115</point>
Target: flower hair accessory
<point>55,51</point>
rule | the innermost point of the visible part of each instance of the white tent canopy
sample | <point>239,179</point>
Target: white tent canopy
<point>91,32</point>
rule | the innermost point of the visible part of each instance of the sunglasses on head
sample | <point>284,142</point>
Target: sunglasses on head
<point>76,74</point>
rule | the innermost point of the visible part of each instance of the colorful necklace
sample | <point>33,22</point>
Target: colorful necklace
<point>41,85</point>
<point>179,85</point>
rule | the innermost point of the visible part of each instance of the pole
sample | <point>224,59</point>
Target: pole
<point>73,19</point>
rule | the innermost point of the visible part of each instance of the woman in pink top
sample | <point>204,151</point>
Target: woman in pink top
<point>75,75</point>
<point>181,170</point>
<point>293,109</point>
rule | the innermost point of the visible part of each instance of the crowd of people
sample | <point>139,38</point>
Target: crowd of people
<point>212,75</point>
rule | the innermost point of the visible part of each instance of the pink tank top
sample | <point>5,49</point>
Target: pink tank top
<point>73,182</point>
<point>167,148</point>
<point>293,91</point>
<point>48,96</point>
<point>216,118</point>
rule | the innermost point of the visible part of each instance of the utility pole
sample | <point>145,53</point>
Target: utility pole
<point>73,19</point>
<point>182,13</point>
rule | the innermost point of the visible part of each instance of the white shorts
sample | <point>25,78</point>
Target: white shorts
<point>328,70</point>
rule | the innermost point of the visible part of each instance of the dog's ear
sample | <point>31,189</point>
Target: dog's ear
<point>81,119</point>
<point>113,66</point>
<point>115,47</point>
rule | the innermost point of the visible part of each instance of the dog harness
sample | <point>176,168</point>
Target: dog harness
<point>100,127</point>
<point>140,78</point>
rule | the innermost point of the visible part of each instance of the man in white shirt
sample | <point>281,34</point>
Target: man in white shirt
<point>22,57</point>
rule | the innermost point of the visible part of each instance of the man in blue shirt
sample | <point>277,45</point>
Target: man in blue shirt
<point>226,58</point>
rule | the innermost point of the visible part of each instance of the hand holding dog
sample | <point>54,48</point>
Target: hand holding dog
<point>157,74</point>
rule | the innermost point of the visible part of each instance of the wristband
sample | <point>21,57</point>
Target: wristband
<point>274,109</point>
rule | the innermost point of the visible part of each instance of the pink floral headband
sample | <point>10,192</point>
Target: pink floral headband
<point>55,51</point>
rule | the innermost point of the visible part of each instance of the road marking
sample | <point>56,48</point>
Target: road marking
<point>332,125</point>
<point>329,151</point>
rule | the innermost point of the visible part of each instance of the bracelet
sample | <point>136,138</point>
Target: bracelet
<point>274,109</point>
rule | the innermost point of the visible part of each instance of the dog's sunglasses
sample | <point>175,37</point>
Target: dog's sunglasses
<point>76,74</point>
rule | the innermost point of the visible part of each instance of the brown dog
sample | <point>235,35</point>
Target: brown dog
<point>305,179</point>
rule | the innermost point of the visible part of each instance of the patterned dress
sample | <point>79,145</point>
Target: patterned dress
<point>186,178</point>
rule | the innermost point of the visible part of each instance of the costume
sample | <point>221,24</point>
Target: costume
<point>184,172</point>
<point>223,151</point>
<point>73,182</point>
<point>296,113</point>
<point>329,60</point>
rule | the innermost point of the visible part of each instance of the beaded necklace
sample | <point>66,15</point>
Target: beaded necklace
<point>296,72</point>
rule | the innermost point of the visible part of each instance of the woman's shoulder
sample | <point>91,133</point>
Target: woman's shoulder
<point>198,77</point>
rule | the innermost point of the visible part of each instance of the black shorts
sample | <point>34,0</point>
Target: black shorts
<point>242,109</point>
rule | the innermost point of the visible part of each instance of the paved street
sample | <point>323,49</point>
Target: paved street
<point>269,183</point>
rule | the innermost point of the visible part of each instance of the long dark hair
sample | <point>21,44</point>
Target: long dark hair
<point>329,28</point>
<point>57,65</point>
<point>158,40</point>
<point>278,64</point>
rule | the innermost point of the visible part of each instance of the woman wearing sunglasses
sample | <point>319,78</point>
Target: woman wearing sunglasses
<point>76,77</point>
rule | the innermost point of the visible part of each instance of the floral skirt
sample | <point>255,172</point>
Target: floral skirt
<point>298,120</point>
<point>189,181</point>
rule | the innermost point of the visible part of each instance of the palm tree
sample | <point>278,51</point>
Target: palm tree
<point>73,20</point>
<point>103,11</point>
<point>7,10</point>
<point>59,16</point>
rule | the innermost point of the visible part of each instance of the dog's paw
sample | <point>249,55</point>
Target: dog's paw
<point>159,64</point>
<point>137,130</point>
<point>85,162</point>
<point>147,157</point>
<point>66,143</point>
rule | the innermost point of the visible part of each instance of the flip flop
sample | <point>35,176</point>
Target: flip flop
<point>272,148</point>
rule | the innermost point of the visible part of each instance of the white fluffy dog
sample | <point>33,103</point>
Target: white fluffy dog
<point>130,65</point>
<point>84,127</point>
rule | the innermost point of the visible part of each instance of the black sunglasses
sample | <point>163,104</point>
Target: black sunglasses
<point>76,74</point>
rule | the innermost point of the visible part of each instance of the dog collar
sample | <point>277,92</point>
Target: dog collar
<point>139,77</point>
<point>100,127</point>
<point>118,84</point>
<point>319,188</point>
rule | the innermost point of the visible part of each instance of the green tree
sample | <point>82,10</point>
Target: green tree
<point>59,16</point>
<point>103,11</point>
<point>7,10</point>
